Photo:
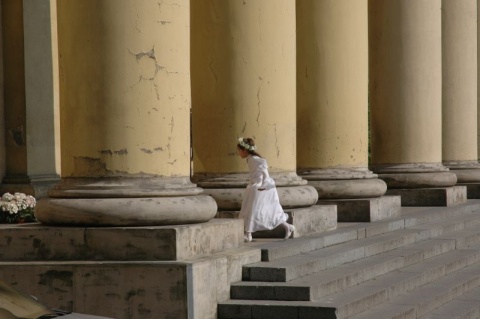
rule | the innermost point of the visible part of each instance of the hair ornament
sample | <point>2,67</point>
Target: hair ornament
<point>242,143</point>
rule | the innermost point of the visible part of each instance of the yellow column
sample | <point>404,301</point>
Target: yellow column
<point>406,99</point>
<point>243,84</point>
<point>125,116</point>
<point>459,60</point>
<point>31,96</point>
<point>332,105</point>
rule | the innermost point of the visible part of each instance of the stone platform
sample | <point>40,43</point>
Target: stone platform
<point>127,272</point>
<point>33,242</point>
<point>365,209</point>
<point>442,196</point>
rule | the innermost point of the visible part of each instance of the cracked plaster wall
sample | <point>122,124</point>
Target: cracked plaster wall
<point>243,82</point>
<point>332,74</point>
<point>125,87</point>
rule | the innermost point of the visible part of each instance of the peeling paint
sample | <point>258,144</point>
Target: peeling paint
<point>106,152</point>
<point>146,150</point>
<point>89,166</point>
<point>121,152</point>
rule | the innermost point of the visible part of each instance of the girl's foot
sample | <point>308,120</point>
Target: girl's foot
<point>289,231</point>
<point>247,237</point>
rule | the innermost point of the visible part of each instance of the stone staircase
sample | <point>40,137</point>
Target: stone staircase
<point>424,264</point>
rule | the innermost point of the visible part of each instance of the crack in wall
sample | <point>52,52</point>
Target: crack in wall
<point>258,100</point>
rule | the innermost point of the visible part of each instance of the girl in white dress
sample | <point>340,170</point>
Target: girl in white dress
<point>261,209</point>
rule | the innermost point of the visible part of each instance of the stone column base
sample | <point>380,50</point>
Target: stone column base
<point>442,196</point>
<point>473,190</point>
<point>365,209</point>
<point>122,201</point>
<point>307,221</point>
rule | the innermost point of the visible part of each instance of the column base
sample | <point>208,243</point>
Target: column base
<point>307,221</point>
<point>34,242</point>
<point>473,190</point>
<point>147,211</point>
<point>345,183</point>
<point>365,209</point>
<point>290,197</point>
<point>442,196</point>
<point>122,201</point>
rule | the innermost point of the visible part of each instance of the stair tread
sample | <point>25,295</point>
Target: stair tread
<point>424,297</point>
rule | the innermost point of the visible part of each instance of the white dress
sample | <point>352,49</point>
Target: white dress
<point>261,210</point>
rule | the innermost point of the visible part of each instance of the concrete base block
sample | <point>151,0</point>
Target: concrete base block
<point>444,196</point>
<point>33,242</point>
<point>307,220</point>
<point>473,190</point>
<point>132,290</point>
<point>366,209</point>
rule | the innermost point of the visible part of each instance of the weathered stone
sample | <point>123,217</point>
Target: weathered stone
<point>365,209</point>
<point>446,196</point>
<point>35,242</point>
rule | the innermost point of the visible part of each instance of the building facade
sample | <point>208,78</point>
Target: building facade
<point>123,116</point>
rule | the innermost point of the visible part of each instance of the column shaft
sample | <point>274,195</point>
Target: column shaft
<point>125,116</point>
<point>332,59</point>
<point>459,100</point>
<point>243,84</point>
<point>406,94</point>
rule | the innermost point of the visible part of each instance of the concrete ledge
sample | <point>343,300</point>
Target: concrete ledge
<point>34,242</point>
<point>445,196</point>
<point>473,190</point>
<point>366,209</point>
<point>126,290</point>
<point>307,221</point>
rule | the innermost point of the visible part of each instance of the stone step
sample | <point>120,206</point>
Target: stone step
<point>332,280</point>
<point>466,306</point>
<point>425,299</point>
<point>292,267</point>
<point>411,217</point>
<point>420,290</point>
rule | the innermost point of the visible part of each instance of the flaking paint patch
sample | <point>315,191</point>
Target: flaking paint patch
<point>90,166</point>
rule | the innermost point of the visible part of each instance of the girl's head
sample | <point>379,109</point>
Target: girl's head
<point>246,146</point>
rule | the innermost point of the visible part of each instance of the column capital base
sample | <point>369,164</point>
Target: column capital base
<point>120,187</point>
<point>408,168</point>
<point>235,180</point>
<point>336,174</point>
<point>145,211</point>
<point>344,183</point>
